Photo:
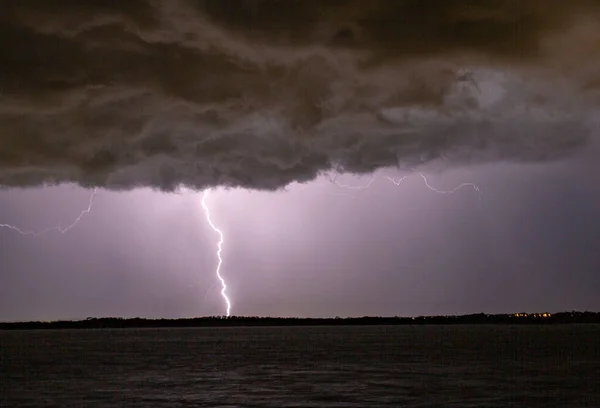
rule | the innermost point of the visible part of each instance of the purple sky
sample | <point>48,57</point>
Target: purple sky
<point>251,97</point>
<point>392,250</point>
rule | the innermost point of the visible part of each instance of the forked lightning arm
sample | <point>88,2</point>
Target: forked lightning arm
<point>401,179</point>
<point>56,227</point>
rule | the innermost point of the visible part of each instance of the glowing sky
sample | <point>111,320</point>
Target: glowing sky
<point>311,251</point>
<point>136,99</point>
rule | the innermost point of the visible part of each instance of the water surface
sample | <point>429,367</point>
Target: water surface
<point>409,366</point>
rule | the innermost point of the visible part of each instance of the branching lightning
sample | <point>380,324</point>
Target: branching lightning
<point>221,241</point>
<point>435,190</point>
<point>219,250</point>
<point>354,187</point>
<point>56,227</point>
<point>399,181</point>
<point>87,210</point>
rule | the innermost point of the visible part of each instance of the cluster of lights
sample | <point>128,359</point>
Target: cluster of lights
<point>535,315</point>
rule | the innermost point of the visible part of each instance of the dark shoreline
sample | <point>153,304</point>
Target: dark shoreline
<point>246,321</point>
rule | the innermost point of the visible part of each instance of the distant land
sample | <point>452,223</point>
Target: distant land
<point>573,317</point>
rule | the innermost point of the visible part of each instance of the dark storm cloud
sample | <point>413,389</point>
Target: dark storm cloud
<point>262,93</point>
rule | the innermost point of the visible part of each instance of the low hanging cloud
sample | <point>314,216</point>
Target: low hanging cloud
<point>261,93</point>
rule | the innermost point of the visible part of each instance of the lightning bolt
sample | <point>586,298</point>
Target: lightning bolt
<point>354,187</point>
<point>219,250</point>
<point>56,227</point>
<point>435,190</point>
<point>399,181</point>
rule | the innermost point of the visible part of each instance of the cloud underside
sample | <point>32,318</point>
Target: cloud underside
<point>262,93</point>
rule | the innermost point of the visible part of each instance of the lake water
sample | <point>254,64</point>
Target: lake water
<point>401,366</point>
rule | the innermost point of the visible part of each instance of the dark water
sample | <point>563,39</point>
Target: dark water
<point>466,366</point>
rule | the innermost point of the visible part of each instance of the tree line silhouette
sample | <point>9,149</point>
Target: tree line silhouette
<point>573,317</point>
